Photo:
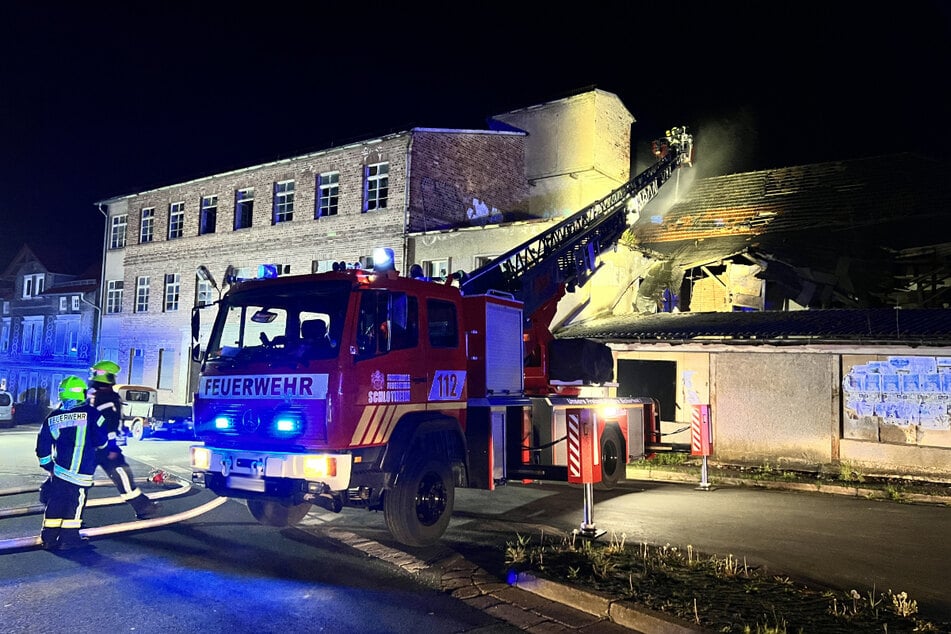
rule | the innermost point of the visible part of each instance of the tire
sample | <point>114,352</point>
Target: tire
<point>139,430</point>
<point>418,509</point>
<point>613,460</point>
<point>273,513</point>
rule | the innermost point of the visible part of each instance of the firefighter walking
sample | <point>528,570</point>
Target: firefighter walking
<point>109,405</point>
<point>66,447</point>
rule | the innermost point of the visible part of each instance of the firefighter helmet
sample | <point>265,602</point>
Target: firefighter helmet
<point>72,388</point>
<point>104,372</point>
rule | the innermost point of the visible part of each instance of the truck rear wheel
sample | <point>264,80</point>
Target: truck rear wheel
<point>273,513</point>
<point>419,507</point>
<point>613,460</point>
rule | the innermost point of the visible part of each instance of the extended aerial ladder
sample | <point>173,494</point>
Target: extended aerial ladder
<point>541,270</point>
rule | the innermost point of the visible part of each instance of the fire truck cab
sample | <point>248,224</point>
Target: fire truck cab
<point>371,399</point>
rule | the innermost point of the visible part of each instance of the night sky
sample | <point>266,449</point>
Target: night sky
<point>117,99</point>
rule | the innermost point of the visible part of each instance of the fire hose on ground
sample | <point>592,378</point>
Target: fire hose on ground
<point>159,477</point>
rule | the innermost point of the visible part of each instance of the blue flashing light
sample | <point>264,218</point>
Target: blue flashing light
<point>285,425</point>
<point>267,271</point>
<point>222,423</point>
<point>383,259</point>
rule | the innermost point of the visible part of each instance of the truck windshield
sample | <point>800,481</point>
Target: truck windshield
<point>296,322</point>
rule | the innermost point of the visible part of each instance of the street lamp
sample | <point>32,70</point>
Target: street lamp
<point>205,276</point>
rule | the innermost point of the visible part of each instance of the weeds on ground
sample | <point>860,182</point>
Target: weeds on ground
<point>663,460</point>
<point>722,594</point>
<point>893,493</point>
<point>850,473</point>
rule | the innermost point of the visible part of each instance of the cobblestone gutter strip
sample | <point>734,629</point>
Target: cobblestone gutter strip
<point>637,619</point>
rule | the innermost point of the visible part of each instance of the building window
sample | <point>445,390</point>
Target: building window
<point>66,337</point>
<point>32,334</point>
<point>33,285</point>
<point>136,365</point>
<point>482,260</point>
<point>5,335</point>
<point>142,294</point>
<point>117,232</point>
<point>376,186</point>
<point>147,225</point>
<point>6,308</point>
<point>166,365</point>
<point>283,201</point>
<point>436,269</point>
<point>114,297</point>
<point>209,215</point>
<point>173,289</point>
<point>75,302</point>
<point>365,262</point>
<point>243,208</point>
<point>322,266</point>
<point>34,387</point>
<point>328,192</point>
<point>54,391</point>
<point>203,293</point>
<point>176,220</point>
<point>62,304</point>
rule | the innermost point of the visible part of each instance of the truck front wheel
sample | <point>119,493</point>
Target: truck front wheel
<point>273,513</point>
<point>418,508</point>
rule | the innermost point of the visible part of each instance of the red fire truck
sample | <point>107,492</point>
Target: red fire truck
<point>365,388</point>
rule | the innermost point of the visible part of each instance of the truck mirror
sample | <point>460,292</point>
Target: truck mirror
<point>196,352</point>
<point>196,324</point>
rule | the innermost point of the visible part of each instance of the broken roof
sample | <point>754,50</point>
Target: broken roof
<point>864,229</point>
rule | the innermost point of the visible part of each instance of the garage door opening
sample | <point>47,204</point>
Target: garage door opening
<point>656,379</point>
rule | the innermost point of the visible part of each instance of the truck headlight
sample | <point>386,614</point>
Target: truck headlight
<point>201,458</point>
<point>319,467</point>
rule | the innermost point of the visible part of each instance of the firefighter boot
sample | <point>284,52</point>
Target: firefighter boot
<point>144,507</point>
<point>50,538</point>
<point>70,539</point>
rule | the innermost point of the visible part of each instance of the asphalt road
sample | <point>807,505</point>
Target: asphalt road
<point>219,572</point>
<point>225,564</point>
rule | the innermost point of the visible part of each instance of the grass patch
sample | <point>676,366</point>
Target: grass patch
<point>718,593</point>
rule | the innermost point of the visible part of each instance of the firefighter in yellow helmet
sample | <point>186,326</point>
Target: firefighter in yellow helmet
<point>66,447</point>
<point>108,403</point>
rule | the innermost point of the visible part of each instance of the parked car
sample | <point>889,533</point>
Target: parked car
<point>143,416</point>
<point>7,410</point>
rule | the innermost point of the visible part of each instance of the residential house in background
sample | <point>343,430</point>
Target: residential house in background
<point>49,321</point>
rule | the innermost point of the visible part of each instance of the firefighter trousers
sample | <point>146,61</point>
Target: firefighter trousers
<point>64,515</point>
<point>121,475</point>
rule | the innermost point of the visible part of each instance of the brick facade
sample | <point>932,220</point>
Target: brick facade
<point>458,178</point>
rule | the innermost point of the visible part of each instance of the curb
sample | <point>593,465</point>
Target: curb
<point>626,615</point>
<point>658,475</point>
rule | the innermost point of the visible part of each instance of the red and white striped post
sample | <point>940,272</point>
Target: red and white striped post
<point>701,438</point>
<point>584,462</point>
